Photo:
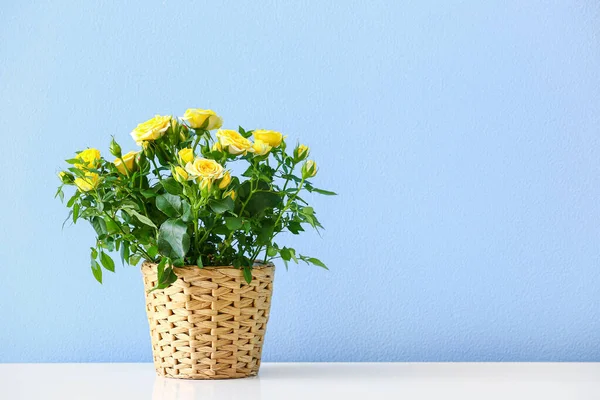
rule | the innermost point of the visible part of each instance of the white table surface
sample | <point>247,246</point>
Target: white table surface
<point>283,381</point>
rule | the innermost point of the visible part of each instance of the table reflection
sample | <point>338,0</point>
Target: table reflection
<point>179,389</point>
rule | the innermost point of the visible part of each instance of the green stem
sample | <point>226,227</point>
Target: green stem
<point>247,199</point>
<point>140,200</point>
<point>287,181</point>
<point>196,233</point>
<point>256,253</point>
<point>252,191</point>
<point>141,250</point>
<point>198,137</point>
<point>156,171</point>
<point>289,202</point>
<point>203,238</point>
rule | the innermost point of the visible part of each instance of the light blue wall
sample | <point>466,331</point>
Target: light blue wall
<point>463,138</point>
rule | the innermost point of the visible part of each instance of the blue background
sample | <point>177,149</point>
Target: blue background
<point>463,139</point>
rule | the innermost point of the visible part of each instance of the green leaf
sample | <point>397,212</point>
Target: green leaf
<point>60,194</point>
<point>199,262</point>
<point>126,217</point>
<point>261,201</point>
<point>244,133</point>
<point>171,277</point>
<point>77,172</point>
<point>293,254</point>
<point>72,199</point>
<point>111,226</point>
<point>109,244</point>
<point>248,172</point>
<point>74,161</point>
<point>291,177</point>
<point>99,225</point>
<point>108,196</point>
<point>107,262</point>
<point>169,204</point>
<point>173,239</point>
<point>248,274</point>
<point>221,230</point>
<point>288,254</point>
<point>97,271</point>
<point>301,199</point>
<point>309,216</point>
<point>307,211</point>
<point>125,252</point>
<point>148,193</point>
<point>174,206</point>
<point>171,186</point>
<point>325,192</point>
<point>134,259</point>
<point>168,278</point>
<point>75,212</point>
<point>152,251</point>
<point>142,218</point>
<point>178,262</point>
<point>221,206</point>
<point>161,269</point>
<point>186,214</point>
<point>233,223</point>
<point>266,232</point>
<point>295,227</point>
<point>244,190</point>
<point>316,262</point>
<point>285,254</point>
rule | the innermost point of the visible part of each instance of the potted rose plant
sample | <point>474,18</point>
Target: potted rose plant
<point>207,237</point>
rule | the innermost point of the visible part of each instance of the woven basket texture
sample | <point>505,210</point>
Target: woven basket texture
<point>209,324</point>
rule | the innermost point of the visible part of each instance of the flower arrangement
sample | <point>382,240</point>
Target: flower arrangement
<point>176,201</point>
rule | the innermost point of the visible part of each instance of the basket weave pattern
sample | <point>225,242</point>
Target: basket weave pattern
<point>210,324</point>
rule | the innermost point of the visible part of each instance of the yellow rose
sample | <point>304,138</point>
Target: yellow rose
<point>309,169</point>
<point>180,175</point>
<point>225,181</point>
<point>233,141</point>
<point>148,149</point>
<point>217,147</point>
<point>301,152</point>
<point>260,148</point>
<point>186,155</point>
<point>88,158</point>
<point>65,177</point>
<point>205,184</point>
<point>89,182</point>
<point>151,130</point>
<point>204,169</point>
<point>231,194</point>
<point>126,163</point>
<point>271,138</point>
<point>205,119</point>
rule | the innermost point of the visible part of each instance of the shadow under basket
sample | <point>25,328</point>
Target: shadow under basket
<point>209,324</point>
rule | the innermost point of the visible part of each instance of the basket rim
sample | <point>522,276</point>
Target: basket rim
<point>257,265</point>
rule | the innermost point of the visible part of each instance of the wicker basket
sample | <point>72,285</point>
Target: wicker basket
<point>210,324</point>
